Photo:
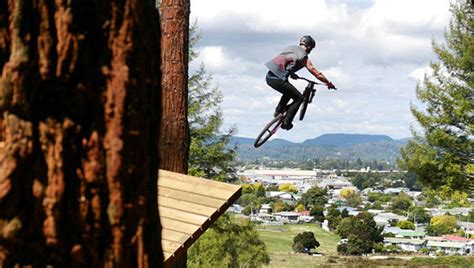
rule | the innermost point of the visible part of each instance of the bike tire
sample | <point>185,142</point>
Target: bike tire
<point>268,131</point>
<point>304,106</point>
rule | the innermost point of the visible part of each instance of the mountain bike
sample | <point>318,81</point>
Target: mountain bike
<point>275,124</point>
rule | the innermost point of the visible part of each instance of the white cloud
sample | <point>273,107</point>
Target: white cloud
<point>419,73</point>
<point>374,51</point>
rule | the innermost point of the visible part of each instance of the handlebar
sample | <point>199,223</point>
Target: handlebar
<point>295,76</point>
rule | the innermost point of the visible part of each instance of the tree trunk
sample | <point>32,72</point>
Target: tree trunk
<point>79,103</point>
<point>174,130</point>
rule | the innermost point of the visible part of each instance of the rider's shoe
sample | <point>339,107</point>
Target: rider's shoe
<point>278,110</point>
<point>287,126</point>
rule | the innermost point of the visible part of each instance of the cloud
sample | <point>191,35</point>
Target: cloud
<point>374,51</point>
<point>419,73</point>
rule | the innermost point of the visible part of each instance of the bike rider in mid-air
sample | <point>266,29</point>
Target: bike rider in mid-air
<point>291,60</point>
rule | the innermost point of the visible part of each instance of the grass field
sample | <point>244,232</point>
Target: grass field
<point>279,240</point>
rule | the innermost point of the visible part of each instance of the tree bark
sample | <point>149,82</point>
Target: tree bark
<point>174,130</point>
<point>79,121</point>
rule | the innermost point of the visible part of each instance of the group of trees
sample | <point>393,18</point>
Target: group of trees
<point>304,242</point>
<point>384,180</point>
<point>361,232</point>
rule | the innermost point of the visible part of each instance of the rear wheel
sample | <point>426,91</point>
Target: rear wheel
<point>269,130</point>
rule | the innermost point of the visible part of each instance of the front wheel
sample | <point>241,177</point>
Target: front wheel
<point>270,129</point>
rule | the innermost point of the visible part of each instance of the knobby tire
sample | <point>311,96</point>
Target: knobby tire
<point>268,131</point>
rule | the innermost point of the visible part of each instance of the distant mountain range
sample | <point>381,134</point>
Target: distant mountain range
<point>327,146</point>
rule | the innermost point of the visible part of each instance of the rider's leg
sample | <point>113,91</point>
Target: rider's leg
<point>282,105</point>
<point>297,97</point>
<point>289,92</point>
<point>276,83</point>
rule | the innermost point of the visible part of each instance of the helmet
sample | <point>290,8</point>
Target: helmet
<point>308,42</point>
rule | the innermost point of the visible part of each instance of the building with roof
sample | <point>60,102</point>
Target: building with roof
<point>412,245</point>
<point>467,227</point>
<point>411,234</point>
<point>451,248</point>
<point>287,216</point>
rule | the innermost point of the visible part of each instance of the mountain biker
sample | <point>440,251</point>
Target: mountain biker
<point>291,60</point>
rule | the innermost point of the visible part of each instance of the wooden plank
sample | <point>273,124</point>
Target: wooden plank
<point>179,226</point>
<point>199,183</point>
<point>170,246</point>
<point>189,197</point>
<point>191,179</point>
<point>198,188</point>
<point>167,255</point>
<point>183,216</point>
<point>186,206</point>
<point>174,236</point>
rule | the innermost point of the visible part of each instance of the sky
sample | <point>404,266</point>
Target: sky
<point>374,51</point>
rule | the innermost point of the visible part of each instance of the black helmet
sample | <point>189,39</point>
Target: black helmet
<point>308,42</point>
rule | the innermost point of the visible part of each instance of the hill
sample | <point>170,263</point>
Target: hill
<point>327,146</point>
<point>346,140</point>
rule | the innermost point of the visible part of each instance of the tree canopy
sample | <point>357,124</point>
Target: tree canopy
<point>443,153</point>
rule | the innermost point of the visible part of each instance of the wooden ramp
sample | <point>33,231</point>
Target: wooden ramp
<point>188,206</point>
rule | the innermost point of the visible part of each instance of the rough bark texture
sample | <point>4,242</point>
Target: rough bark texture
<point>174,131</point>
<point>79,120</point>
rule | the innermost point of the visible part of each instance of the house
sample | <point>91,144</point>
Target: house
<point>395,190</point>
<point>287,216</point>
<point>411,234</point>
<point>352,211</point>
<point>451,248</point>
<point>236,208</point>
<point>284,196</point>
<point>392,229</point>
<point>335,184</point>
<point>413,194</point>
<point>266,208</point>
<point>453,211</point>
<point>413,245</point>
<point>455,238</point>
<point>467,227</point>
<point>383,219</point>
<point>263,217</point>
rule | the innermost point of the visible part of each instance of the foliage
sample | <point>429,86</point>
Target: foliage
<point>406,225</point>
<point>449,261</point>
<point>304,242</point>
<point>279,206</point>
<point>299,208</point>
<point>313,197</point>
<point>378,197</point>
<point>402,201</point>
<point>228,244</point>
<point>443,153</point>
<point>431,198</point>
<point>440,225</point>
<point>333,217</point>
<point>317,212</point>
<point>355,246</point>
<point>209,153</point>
<point>418,215</point>
<point>353,199</point>
<point>288,187</point>
<point>362,233</point>
<point>454,198</point>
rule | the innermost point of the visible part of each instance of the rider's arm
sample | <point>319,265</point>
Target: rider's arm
<point>319,75</point>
